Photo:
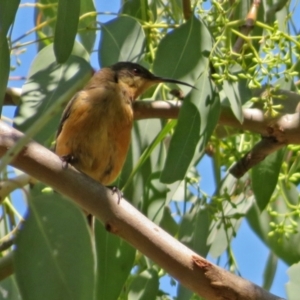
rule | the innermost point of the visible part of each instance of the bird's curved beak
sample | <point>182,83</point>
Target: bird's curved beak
<point>162,79</point>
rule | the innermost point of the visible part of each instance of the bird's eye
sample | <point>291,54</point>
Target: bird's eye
<point>136,71</point>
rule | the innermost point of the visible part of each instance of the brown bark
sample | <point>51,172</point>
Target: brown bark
<point>193,271</point>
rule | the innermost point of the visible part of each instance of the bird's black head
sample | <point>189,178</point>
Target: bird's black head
<point>137,78</point>
<point>132,69</point>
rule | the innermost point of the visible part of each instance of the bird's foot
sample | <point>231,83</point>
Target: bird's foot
<point>66,160</point>
<point>115,190</point>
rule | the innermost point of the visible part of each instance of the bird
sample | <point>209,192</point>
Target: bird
<point>94,132</point>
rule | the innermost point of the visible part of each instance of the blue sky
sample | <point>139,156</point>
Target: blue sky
<point>250,253</point>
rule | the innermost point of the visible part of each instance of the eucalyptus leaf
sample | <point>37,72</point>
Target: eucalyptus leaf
<point>48,89</point>
<point>135,8</point>
<point>144,286</point>
<point>142,160</point>
<point>270,271</point>
<point>196,122</point>
<point>122,39</point>
<point>285,247</point>
<point>233,209</point>
<point>115,260</point>
<point>54,254</point>
<point>293,287</point>
<point>194,229</point>
<point>9,289</point>
<point>87,24</point>
<point>66,28</point>
<point>182,53</point>
<point>8,10</point>
<point>266,171</point>
<point>5,68</point>
<point>231,91</point>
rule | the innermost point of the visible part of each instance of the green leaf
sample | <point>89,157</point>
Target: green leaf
<point>235,208</point>
<point>183,293</point>
<point>66,28</point>
<point>270,271</point>
<point>139,161</point>
<point>196,122</point>
<point>9,289</point>
<point>266,171</point>
<point>8,9</point>
<point>115,260</point>
<point>49,10</point>
<point>5,68</point>
<point>87,35</point>
<point>48,89</point>
<point>194,229</point>
<point>44,35</point>
<point>293,287</point>
<point>54,255</point>
<point>155,198</point>
<point>122,39</point>
<point>183,53</point>
<point>168,223</point>
<point>231,91</point>
<point>148,153</point>
<point>144,286</point>
<point>285,247</point>
<point>136,8</point>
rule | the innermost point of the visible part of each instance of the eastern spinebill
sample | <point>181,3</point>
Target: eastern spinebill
<point>95,128</point>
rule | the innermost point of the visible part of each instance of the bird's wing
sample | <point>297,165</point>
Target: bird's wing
<point>66,114</point>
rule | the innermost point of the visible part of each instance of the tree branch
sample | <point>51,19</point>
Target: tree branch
<point>284,128</point>
<point>124,220</point>
<point>12,96</point>
<point>259,152</point>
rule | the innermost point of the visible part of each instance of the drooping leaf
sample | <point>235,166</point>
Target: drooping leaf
<point>48,14</point>
<point>5,68</point>
<point>194,229</point>
<point>285,247</point>
<point>9,289</point>
<point>168,223</point>
<point>196,122</point>
<point>87,35</point>
<point>231,91</point>
<point>66,28</point>
<point>8,9</point>
<point>144,286</point>
<point>54,257</point>
<point>122,39</point>
<point>155,198</point>
<point>50,86</point>
<point>183,293</point>
<point>136,8</point>
<point>114,262</point>
<point>266,171</point>
<point>182,53</point>
<point>293,287</point>
<point>270,271</point>
<point>144,135</point>
<point>220,235</point>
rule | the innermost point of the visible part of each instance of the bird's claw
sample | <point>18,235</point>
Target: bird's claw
<point>115,190</point>
<point>66,160</point>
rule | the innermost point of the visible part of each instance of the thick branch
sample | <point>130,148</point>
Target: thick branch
<point>9,185</point>
<point>285,128</point>
<point>12,96</point>
<point>248,26</point>
<point>259,152</point>
<point>186,7</point>
<point>124,220</point>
